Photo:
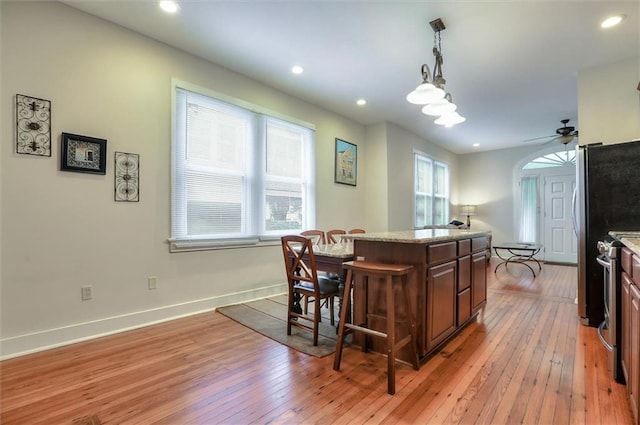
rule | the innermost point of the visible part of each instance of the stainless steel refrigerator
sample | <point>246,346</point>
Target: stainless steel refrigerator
<point>607,198</point>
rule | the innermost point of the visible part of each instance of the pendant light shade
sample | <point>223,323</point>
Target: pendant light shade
<point>450,119</point>
<point>425,93</point>
<point>440,107</point>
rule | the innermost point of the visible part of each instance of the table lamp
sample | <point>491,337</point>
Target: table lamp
<point>468,210</point>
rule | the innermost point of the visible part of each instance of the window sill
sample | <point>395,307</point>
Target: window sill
<point>187,245</point>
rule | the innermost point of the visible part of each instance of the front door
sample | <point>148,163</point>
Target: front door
<point>560,243</point>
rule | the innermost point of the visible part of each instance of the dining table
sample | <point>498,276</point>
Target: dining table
<point>330,258</point>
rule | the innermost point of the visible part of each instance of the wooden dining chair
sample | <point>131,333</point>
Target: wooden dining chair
<point>317,236</point>
<point>331,235</point>
<point>303,282</point>
<point>353,231</point>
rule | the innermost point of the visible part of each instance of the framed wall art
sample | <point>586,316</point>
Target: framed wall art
<point>346,163</point>
<point>33,126</point>
<point>83,154</point>
<point>126,176</point>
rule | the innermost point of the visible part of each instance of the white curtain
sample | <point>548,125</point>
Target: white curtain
<point>529,209</point>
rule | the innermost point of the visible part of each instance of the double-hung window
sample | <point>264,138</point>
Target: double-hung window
<point>431,191</point>
<point>239,175</point>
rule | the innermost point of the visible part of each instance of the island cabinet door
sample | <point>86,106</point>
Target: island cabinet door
<point>626,325</point>
<point>442,295</point>
<point>634,355</point>
<point>478,281</point>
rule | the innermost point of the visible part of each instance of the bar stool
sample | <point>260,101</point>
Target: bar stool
<point>392,274</point>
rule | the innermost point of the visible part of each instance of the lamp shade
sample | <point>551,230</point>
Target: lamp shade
<point>439,107</point>
<point>468,210</point>
<point>450,119</point>
<point>425,93</point>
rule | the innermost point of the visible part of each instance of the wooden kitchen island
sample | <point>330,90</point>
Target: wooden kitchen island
<point>447,290</point>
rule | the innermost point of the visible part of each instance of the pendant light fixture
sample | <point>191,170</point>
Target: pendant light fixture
<point>431,92</point>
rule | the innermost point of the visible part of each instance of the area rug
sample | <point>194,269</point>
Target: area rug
<point>268,316</point>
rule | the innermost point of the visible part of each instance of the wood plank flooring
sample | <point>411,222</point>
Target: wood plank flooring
<point>527,360</point>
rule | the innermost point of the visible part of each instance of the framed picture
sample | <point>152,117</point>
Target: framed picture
<point>83,154</point>
<point>126,177</point>
<point>346,162</point>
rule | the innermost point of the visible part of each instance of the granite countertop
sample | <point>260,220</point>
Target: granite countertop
<point>630,239</point>
<point>633,244</point>
<point>420,236</point>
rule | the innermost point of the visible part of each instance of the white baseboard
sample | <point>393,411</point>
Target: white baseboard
<point>56,337</point>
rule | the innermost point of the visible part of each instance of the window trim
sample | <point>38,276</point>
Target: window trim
<point>200,243</point>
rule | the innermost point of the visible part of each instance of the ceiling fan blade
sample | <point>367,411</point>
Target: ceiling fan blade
<point>538,138</point>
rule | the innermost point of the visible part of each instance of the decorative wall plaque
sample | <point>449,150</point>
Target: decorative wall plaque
<point>127,166</point>
<point>33,126</point>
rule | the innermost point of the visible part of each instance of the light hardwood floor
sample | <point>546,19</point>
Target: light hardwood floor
<point>527,361</point>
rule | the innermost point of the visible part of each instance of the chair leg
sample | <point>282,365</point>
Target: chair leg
<point>316,321</point>
<point>289,307</point>
<point>412,324</point>
<point>331,312</point>
<point>346,299</point>
<point>391,339</point>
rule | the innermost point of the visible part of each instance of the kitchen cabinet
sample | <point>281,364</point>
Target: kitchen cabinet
<point>479,273</point>
<point>630,317</point>
<point>442,296</point>
<point>447,288</point>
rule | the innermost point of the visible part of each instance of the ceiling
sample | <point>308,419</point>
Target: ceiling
<point>511,67</point>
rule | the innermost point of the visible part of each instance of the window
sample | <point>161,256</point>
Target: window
<point>239,176</point>
<point>529,209</point>
<point>431,191</point>
<point>554,159</point>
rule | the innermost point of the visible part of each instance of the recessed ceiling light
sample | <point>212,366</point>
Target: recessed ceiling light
<point>297,69</point>
<point>612,21</point>
<point>361,102</point>
<point>475,145</point>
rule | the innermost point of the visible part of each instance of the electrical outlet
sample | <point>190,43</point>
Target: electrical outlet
<point>153,282</point>
<point>85,293</point>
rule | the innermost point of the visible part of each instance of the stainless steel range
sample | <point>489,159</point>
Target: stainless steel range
<point>610,332</point>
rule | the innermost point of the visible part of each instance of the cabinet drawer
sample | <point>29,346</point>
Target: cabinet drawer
<point>626,260</point>
<point>442,252</point>
<point>464,247</point>
<point>479,244</point>
<point>635,269</point>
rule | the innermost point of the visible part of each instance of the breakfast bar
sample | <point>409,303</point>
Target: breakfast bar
<point>447,290</point>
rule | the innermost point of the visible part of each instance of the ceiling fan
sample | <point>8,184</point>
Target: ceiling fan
<point>564,134</point>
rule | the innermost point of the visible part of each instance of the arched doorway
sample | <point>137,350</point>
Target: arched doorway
<point>546,182</point>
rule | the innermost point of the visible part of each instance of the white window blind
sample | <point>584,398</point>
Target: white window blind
<point>431,191</point>
<point>238,176</point>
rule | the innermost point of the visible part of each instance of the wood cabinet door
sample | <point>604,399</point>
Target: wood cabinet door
<point>634,355</point>
<point>625,342</point>
<point>478,281</point>
<point>442,295</point>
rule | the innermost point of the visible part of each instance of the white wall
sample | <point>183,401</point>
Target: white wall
<point>377,213</point>
<point>486,180</point>
<point>609,103</point>
<point>62,230</point>
<point>400,148</point>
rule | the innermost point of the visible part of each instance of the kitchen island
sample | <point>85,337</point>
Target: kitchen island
<point>447,290</point>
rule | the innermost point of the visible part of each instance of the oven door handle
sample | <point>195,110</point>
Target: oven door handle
<point>603,263</point>
<point>602,338</point>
